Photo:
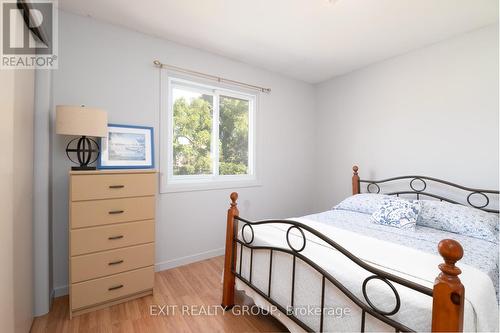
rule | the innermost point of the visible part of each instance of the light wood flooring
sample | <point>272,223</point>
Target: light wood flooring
<point>185,288</point>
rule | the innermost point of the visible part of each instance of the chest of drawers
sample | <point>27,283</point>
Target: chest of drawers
<point>111,237</point>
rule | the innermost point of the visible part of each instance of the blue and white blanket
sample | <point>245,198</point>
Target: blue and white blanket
<point>478,253</point>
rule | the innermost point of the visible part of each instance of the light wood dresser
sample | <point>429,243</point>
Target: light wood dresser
<point>111,237</point>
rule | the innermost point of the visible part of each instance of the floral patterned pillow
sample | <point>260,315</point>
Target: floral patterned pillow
<point>459,219</point>
<point>366,203</point>
<point>399,213</point>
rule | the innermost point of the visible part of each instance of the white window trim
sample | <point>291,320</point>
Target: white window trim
<point>203,182</point>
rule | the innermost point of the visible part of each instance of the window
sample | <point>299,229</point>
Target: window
<point>209,137</point>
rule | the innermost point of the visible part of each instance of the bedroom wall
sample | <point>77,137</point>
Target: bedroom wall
<point>110,67</point>
<point>433,111</point>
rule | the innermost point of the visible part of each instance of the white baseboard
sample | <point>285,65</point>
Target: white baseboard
<point>61,291</point>
<point>161,266</point>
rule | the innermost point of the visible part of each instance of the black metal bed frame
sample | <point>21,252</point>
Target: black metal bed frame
<point>295,252</point>
<point>421,192</point>
<point>388,278</point>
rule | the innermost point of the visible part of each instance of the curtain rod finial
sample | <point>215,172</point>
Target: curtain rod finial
<point>157,62</point>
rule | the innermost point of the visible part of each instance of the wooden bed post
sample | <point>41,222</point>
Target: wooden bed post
<point>355,180</point>
<point>449,293</point>
<point>230,255</point>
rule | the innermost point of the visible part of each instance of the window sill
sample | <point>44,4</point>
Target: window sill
<point>208,186</point>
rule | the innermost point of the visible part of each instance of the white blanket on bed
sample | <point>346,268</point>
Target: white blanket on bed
<point>481,309</point>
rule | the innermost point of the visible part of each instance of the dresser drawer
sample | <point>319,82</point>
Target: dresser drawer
<point>95,239</point>
<point>100,212</point>
<point>112,287</point>
<point>90,187</point>
<point>91,266</point>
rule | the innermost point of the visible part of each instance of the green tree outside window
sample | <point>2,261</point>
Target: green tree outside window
<point>192,134</point>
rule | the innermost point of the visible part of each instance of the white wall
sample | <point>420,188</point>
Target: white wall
<point>433,111</point>
<point>16,184</point>
<point>110,67</point>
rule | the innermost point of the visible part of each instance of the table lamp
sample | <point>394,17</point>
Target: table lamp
<point>84,122</point>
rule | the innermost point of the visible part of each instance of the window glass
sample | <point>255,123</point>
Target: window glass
<point>192,132</point>
<point>233,135</point>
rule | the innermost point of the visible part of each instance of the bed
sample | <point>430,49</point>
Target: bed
<point>338,271</point>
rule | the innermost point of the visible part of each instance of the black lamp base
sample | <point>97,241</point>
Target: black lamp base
<point>83,168</point>
<point>85,148</point>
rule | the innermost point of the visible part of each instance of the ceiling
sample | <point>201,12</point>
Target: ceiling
<point>311,40</point>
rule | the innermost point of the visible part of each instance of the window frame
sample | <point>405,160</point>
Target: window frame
<point>175,183</point>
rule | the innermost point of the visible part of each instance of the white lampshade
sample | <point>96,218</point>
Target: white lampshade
<point>81,120</point>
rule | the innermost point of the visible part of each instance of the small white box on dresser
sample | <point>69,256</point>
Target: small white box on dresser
<point>111,237</point>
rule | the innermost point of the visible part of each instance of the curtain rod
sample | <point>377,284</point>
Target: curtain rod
<point>211,77</point>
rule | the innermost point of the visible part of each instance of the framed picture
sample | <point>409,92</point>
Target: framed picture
<point>127,147</point>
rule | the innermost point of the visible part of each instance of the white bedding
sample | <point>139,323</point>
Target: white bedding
<point>481,310</point>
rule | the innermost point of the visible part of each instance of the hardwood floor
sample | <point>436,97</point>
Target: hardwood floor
<point>194,289</point>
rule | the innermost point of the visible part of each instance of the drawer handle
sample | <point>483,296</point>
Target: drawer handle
<point>115,287</point>
<point>116,212</point>
<point>115,237</point>
<point>115,262</point>
<point>116,186</point>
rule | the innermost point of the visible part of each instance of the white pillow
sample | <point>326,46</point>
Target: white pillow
<point>399,213</point>
<point>459,219</point>
<point>366,203</point>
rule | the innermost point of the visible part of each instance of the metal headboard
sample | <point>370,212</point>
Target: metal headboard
<point>418,187</point>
